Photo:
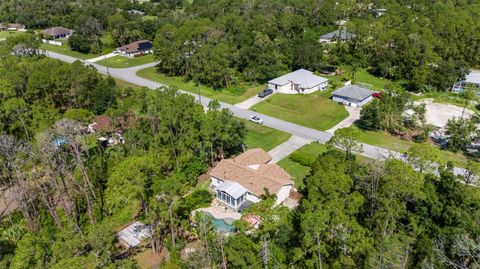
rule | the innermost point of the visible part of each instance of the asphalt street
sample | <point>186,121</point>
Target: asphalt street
<point>130,75</point>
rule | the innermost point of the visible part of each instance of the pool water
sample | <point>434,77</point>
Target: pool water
<point>220,224</point>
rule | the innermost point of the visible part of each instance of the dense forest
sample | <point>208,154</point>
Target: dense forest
<point>69,193</point>
<point>426,45</point>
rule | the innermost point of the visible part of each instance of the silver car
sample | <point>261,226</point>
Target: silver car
<point>256,119</point>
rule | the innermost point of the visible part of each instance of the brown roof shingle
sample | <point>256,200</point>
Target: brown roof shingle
<point>137,46</point>
<point>252,172</point>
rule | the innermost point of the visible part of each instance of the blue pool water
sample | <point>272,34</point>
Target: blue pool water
<point>220,224</point>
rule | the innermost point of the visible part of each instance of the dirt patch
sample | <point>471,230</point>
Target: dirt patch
<point>438,114</point>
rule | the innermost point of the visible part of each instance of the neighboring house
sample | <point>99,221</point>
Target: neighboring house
<point>352,95</point>
<point>101,123</point>
<point>473,78</point>
<point>341,35</point>
<point>136,48</point>
<point>240,181</point>
<point>133,235</point>
<point>300,81</point>
<point>58,32</point>
<point>12,27</point>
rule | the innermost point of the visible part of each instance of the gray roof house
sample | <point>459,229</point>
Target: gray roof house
<point>58,32</point>
<point>352,95</point>
<point>300,81</point>
<point>338,35</point>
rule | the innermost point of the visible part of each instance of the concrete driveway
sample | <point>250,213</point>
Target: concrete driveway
<point>99,58</point>
<point>252,101</point>
<point>287,147</point>
<point>353,115</point>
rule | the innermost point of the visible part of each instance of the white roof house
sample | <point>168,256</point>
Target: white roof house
<point>338,35</point>
<point>352,95</point>
<point>472,78</point>
<point>133,234</point>
<point>300,81</point>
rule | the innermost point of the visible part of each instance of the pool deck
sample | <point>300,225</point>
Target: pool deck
<point>220,213</point>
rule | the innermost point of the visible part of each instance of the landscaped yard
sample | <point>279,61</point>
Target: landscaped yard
<point>260,136</point>
<point>231,95</point>
<point>314,110</point>
<point>123,62</point>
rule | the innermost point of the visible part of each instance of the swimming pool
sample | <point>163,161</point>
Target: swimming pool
<point>223,225</point>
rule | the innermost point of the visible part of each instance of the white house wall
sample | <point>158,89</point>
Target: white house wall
<point>215,182</point>
<point>283,193</point>
<point>251,197</point>
<point>351,103</point>
<point>287,89</point>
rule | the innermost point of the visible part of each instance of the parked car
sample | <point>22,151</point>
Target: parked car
<point>256,119</point>
<point>377,95</point>
<point>265,93</point>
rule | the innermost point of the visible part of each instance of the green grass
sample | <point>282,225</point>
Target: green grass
<point>5,34</point>
<point>231,95</point>
<point>314,110</point>
<point>391,142</point>
<point>123,62</point>
<point>65,50</point>
<point>260,136</point>
<point>307,154</point>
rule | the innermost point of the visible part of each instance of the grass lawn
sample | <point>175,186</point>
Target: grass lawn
<point>230,95</point>
<point>123,62</point>
<point>307,154</point>
<point>65,50</point>
<point>260,136</point>
<point>388,141</point>
<point>5,34</point>
<point>314,110</point>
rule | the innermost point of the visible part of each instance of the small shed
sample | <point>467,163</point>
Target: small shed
<point>133,234</point>
<point>352,95</point>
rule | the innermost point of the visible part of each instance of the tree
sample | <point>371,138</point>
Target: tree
<point>347,140</point>
<point>424,157</point>
<point>79,42</point>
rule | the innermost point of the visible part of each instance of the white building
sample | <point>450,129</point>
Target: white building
<point>135,49</point>
<point>473,78</point>
<point>240,181</point>
<point>300,81</point>
<point>133,235</point>
<point>352,95</point>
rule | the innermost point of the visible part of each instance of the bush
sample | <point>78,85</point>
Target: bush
<point>197,199</point>
<point>79,114</point>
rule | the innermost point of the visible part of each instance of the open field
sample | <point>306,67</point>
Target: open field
<point>230,95</point>
<point>65,50</point>
<point>260,136</point>
<point>124,62</point>
<point>314,110</point>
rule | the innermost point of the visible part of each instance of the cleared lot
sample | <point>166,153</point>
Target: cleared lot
<point>438,114</point>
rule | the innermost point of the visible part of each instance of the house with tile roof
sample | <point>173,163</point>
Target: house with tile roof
<point>58,32</point>
<point>298,82</point>
<point>136,48</point>
<point>241,181</point>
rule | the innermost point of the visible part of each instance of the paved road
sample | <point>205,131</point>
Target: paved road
<point>129,75</point>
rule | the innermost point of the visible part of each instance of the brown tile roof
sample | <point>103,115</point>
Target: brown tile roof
<point>269,176</point>
<point>136,46</point>
<point>253,156</point>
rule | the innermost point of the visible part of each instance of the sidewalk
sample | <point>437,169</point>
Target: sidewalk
<point>287,147</point>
